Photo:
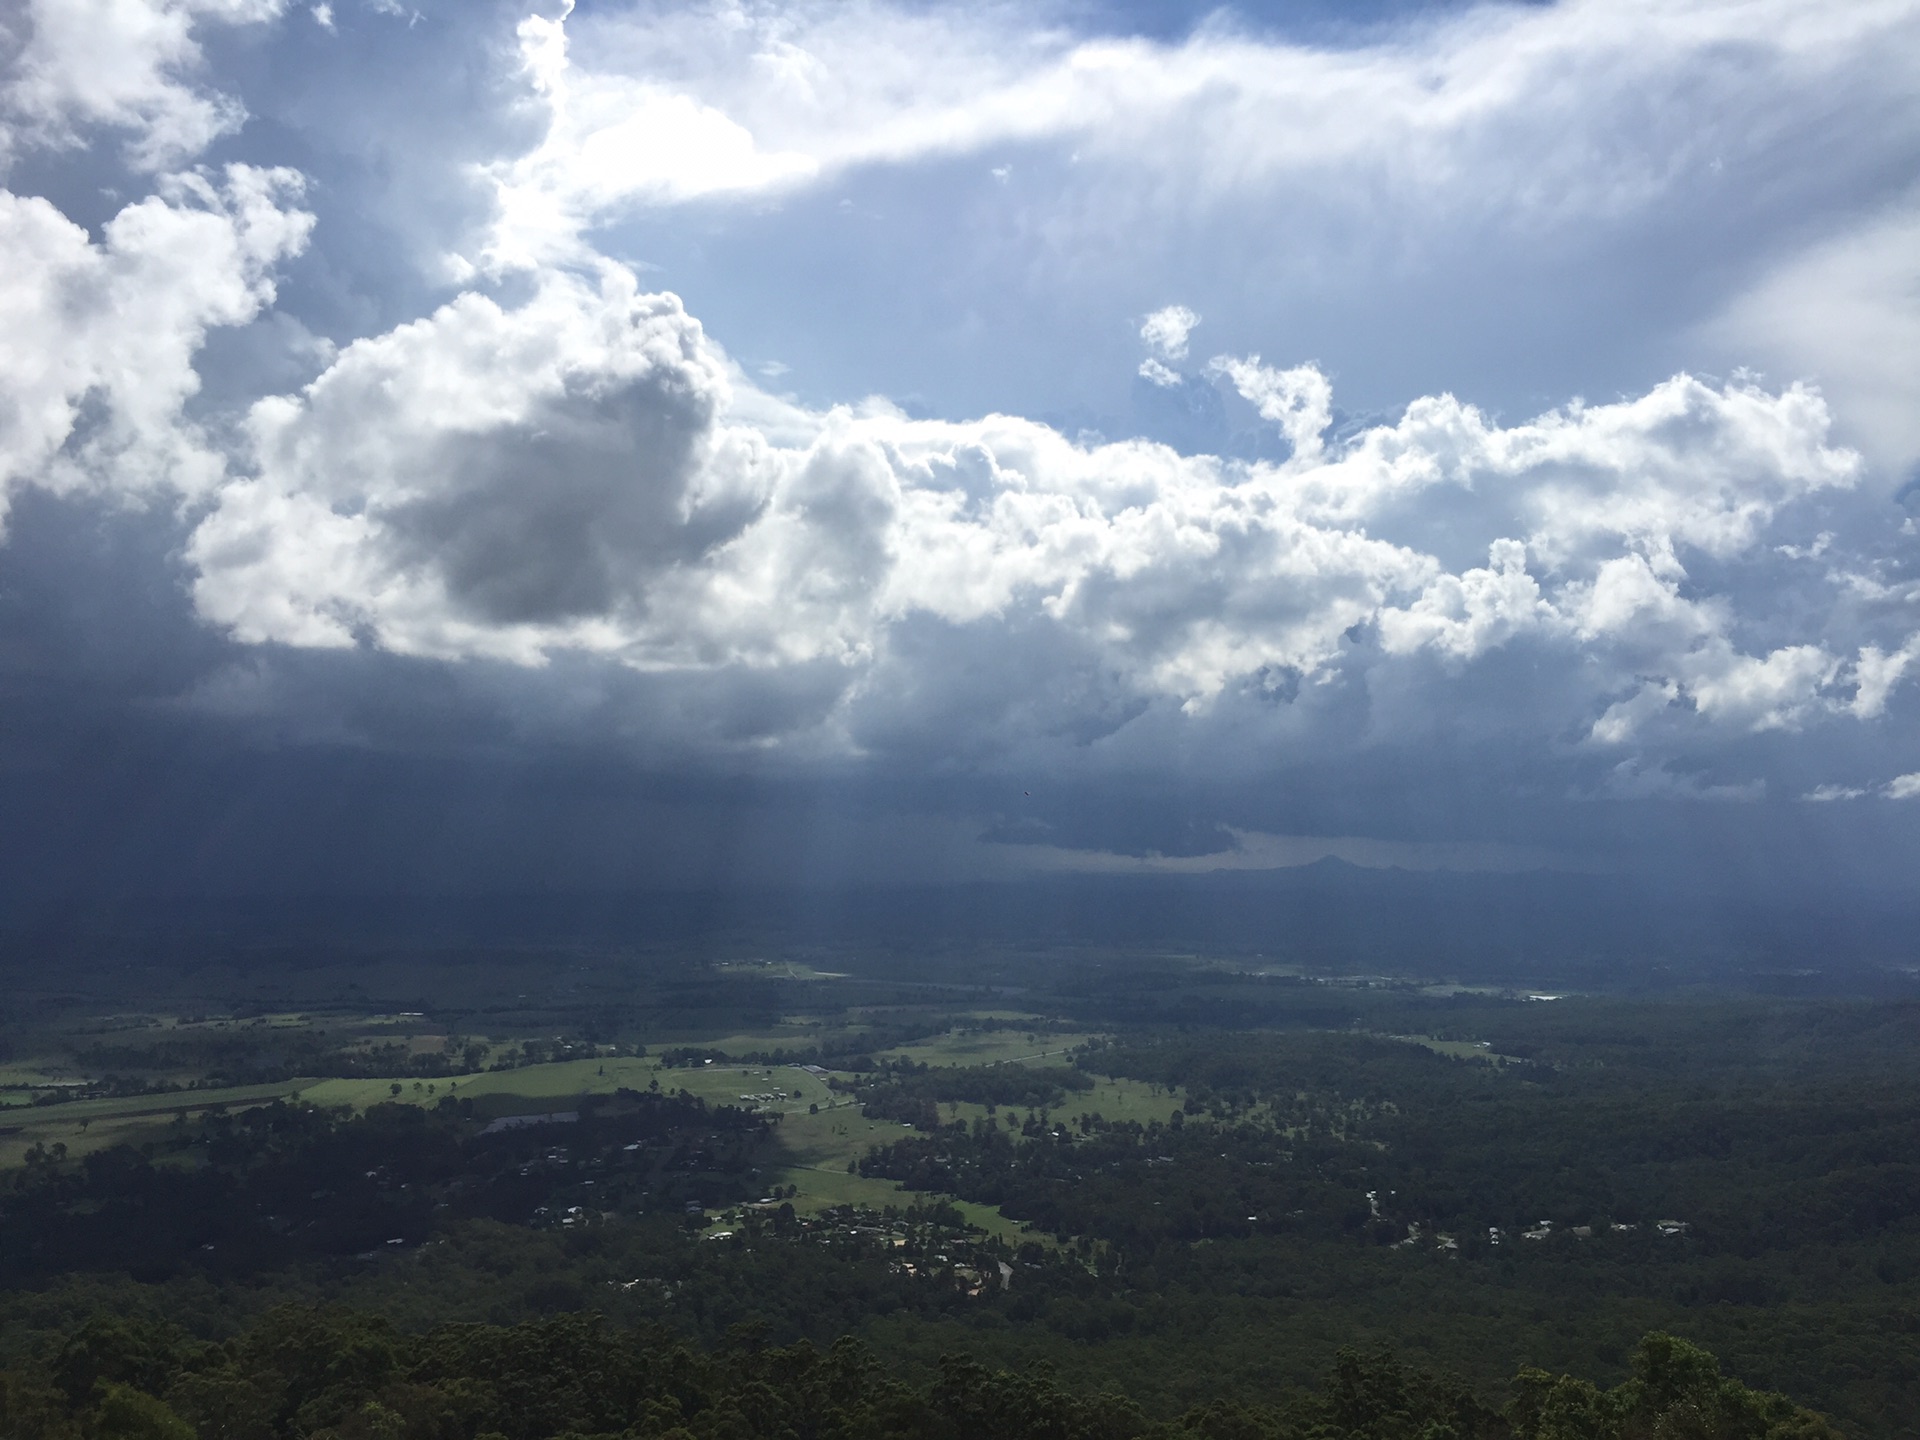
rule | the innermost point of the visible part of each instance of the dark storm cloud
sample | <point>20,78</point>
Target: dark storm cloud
<point>374,527</point>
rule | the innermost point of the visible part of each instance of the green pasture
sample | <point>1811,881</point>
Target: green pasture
<point>169,1105</point>
<point>26,1073</point>
<point>788,1035</point>
<point>775,969</point>
<point>720,1084</point>
<point>814,1148</point>
<point>84,1126</point>
<point>987,1047</point>
<point>1122,1100</point>
<point>1125,1100</point>
<point>818,1149</point>
<point>284,1020</point>
<point>1457,1049</point>
<point>103,1135</point>
<point>531,1089</point>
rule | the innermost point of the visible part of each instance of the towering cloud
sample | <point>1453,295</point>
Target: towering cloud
<point>550,473</point>
<point>584,473</point>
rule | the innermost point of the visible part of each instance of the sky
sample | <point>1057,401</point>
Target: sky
<point>495,446</point>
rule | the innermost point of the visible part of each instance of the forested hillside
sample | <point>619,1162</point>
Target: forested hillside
<point>338,1375</point>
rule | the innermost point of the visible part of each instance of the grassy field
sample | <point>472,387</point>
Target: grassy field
<point>818,1149</point>
<point>796,1034</point>
<point>1126,1100</point>
<point>1457,1049</point>
<point>814,1149</point>
<point>528,1090</point>
<point>84,1126</point>
<point>986,1047</point>
<point>781,969</point>
<point>287,1020</point>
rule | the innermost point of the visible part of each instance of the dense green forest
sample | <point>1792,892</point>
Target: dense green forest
<point>253,1191</point>
<point>338,1375</point>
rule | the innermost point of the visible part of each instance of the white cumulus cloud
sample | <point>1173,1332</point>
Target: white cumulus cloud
<point>128,65</point>
<point>97,340</point>
<point>587,472</point>
<point>1165,331</point>
<point>486,481</point>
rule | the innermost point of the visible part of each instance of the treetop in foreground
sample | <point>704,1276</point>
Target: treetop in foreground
<point>334,1374</point>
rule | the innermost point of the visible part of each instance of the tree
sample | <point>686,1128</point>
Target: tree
<point>126,1414</point>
